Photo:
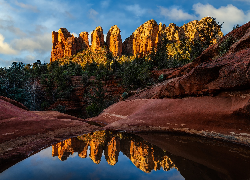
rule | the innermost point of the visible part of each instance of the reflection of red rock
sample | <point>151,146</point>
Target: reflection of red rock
<point>142,154</point>
<point>112,151</point>
<point>143,157</point>
<point>95,151</point>
<point>68,147</point>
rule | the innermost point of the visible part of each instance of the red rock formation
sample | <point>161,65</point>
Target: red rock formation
<point>114,41</point>
<point>146,37</point>
<point>97,39</point>
<point>64,44</point>
<point>85,39</point>
<point>142,40</point>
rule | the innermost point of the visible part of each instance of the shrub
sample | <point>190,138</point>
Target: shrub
<point>225,45</point>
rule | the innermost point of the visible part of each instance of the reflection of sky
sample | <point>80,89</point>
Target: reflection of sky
<point>43,166</point>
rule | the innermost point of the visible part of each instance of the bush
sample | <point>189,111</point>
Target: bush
<point>93,110</point>
<point>225,45</point>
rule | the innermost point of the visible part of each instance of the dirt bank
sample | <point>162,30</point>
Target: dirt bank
<point>215,117</point>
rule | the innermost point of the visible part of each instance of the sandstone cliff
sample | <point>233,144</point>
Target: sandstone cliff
<point>114,41</point>
<point>141,42</point>
<point>65,44</point>
<point>97,39</point>
<point>146,37</point>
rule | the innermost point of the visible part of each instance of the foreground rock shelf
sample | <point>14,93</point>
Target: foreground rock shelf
<point>24,132</point>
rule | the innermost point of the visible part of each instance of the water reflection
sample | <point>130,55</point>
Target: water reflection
<point>142,154</point>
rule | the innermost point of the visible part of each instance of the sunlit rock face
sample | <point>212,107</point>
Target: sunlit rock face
<point>146,37</point>
<point>97,39</point>
<point>140,43</point>
<point>114,41</point>
<point>142,40</point>
<point>143,155</point>
<point>65,44</point>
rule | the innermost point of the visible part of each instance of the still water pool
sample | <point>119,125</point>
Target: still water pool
<point>118,155</point>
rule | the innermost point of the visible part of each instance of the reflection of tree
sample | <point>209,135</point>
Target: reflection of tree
<point>142,154</point>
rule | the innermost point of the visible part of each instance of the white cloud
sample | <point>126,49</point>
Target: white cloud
<point>105,36</point>
<point>74,34</point>
<point>105,4</point>
<point>175,14</point>
<point>136,9</point>
<point>5,48</point>
<point>27,6</point>
<point>229,14</point>
<point>42,43</point>
<point>93,15</point>
<point>89,36</point>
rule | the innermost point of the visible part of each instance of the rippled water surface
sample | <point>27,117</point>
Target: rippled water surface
<point>116,155</point>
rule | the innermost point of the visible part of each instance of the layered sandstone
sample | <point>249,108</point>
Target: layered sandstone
<point>97,39</point>
<point>114,41</point>
<point>65,44</point>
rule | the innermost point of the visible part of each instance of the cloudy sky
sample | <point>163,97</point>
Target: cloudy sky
<point>26,26</point>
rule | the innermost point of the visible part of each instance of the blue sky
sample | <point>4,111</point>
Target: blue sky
<point>26,26</point>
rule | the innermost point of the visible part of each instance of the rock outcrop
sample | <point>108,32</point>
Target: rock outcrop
<point>142,40</point>
<point>146,37</point>
<point>65,44</point>
<point>140,43</point>
<point>114,41</point>
<point>97,39</point>
<point>210,73</point>
<point>25,132</point>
